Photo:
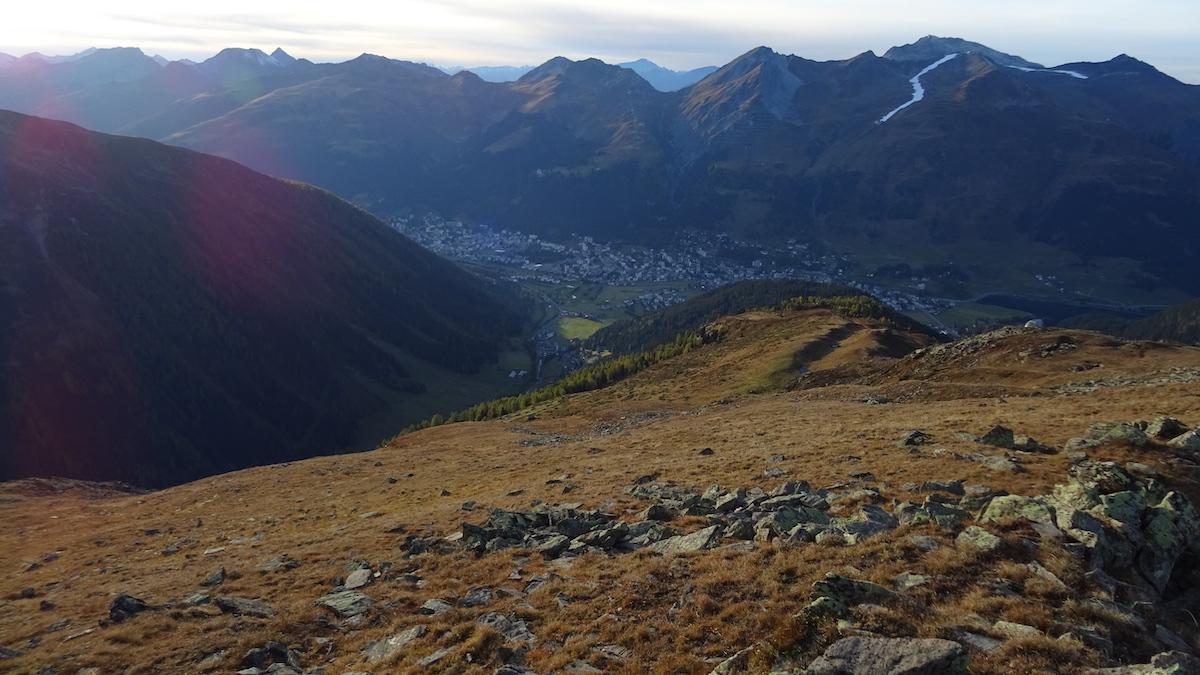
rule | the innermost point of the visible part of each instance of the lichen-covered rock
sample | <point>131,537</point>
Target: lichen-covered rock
<point>1172,526</point>
<point>977,538</point>
<point>1018,507</point>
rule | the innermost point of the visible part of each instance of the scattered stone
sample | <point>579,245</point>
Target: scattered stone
<point>279,563</point>
<point>346,604</point>
<point>913,439</point>
<point>478,597</point>
<point>125,607</point>
<point>657,512</point>
<point>891,656</point>
<point>215,579</point>
<point>244,607</point>
<point>270,654</point>
<point>358,578</point>
<point>509,625</point>
<point>581,667</point>
<point>385,648</point>
<point>435,606</point>
<point>705,452</point>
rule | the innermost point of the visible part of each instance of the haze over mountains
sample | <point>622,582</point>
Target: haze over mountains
<point>1062,170</point>
<point>166,315</point>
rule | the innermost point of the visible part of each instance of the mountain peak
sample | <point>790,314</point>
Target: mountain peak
<point>282,57</point>
<point>932,47</point>
<point>555,66</point>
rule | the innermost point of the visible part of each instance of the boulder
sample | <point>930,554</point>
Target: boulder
<point>509,625</point>
<point>358,578</point>
<point>891,656</point>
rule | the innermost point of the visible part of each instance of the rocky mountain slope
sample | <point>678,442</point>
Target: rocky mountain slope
<point>166,315</point>
<point>809,493</point>
<point>1088,167</point>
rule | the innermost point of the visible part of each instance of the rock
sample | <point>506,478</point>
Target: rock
<point>1171,527</point>
<point>581,667</point>
<point>982,643</point>
<point>554,546</point>
<point>1016,630</point>
<point>912,439</point>
<point>1165,428</point>
<point>512,669</point>
<point>124,607</point>
<point>734,664</point>
<point>954,487</point>
<point>433,658</point>
<point>891,656</point>
<point>215,579</point>
<point>1121,432</point>
<point>358,578</point>
<point>604,538</point>
<point>196,599</point>
<point>696,541</point>
<point>435,606</point>
<point>996,462</point>
<point>509,625</point>
<point>979,539</point>
<point>657,512</point>
<point>279,563</point>
<point>836,594</point>
<point>1189,441</point>
<point>1047,576</point>
<point>998,436</point>
<point>244,607</point>
<point>270,654</point>
<point>385,648</point>
<point>908,580</point>
<point>1017,507</point>
<point>705,452</point>
<point>346,603</point>
<point>478,597</point>
<point>1167,663</point>
<point>924,542</point>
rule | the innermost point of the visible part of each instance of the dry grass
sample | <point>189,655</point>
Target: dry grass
<point>677,615</point>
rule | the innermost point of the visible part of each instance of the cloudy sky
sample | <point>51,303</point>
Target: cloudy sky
<point>676,33</point>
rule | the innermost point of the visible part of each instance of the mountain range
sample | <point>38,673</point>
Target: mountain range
<point>166,315</point>
<point>1088,169</point>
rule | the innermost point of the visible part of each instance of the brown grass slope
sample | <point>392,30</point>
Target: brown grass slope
<point>748,397</point>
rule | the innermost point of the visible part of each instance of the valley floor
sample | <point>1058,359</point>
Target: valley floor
<point>745,412</point>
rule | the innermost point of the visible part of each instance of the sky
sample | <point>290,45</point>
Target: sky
<point>675,33</point>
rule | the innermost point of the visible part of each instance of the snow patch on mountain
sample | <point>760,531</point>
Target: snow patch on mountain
<point>1075,74</point>
<point>918,89</point>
